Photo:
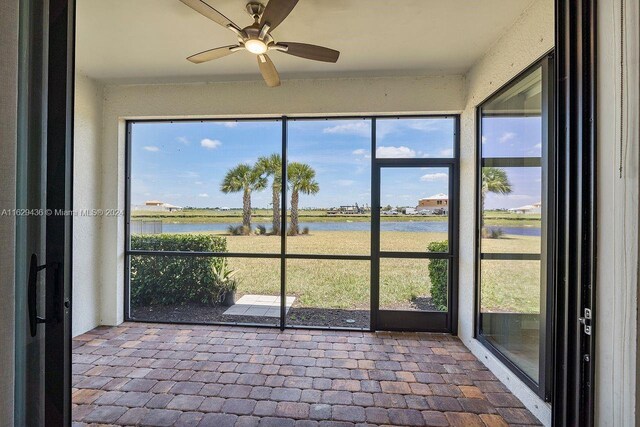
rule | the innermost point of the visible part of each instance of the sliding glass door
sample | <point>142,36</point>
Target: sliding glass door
<point>515,211</point>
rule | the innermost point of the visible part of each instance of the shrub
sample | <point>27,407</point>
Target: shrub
<point>305,230</point>
<point>260,230</point>
<point>235,230</point>
<point>438,274</point>
<point>170,280</point>
<point>495,233</point>
<point>224,277</point>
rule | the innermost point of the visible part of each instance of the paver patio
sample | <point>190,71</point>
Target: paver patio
<point>163,375</point>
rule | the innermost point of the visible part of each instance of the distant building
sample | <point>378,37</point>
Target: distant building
<point>157,206</point>
<point>437,202</point>
<point>535,208</point>
<point>348,210</point>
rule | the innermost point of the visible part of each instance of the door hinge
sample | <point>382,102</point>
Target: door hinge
<point>586,321</point>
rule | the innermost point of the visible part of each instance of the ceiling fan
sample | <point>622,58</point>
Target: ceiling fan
<point>257,38</point>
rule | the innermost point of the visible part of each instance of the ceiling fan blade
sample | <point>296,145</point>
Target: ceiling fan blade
<point>268,70</point>
<point>310,51</point>
<point>208,11</point>
<point>276,11</point>
<point>212,54</point>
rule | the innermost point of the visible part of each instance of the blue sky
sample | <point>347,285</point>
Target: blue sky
<point>183,163</point>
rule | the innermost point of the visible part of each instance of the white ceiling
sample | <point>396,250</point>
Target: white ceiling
<point>148,40</point>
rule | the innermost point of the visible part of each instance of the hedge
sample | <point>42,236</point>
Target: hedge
<point>170,280</point>
<point>439,273</point>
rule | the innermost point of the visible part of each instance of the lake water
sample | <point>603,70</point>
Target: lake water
<point>424,227</point>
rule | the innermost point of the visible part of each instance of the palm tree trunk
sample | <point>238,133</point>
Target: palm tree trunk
<point>276,210</point>
<point>294,212</point>
<point>246,211</point>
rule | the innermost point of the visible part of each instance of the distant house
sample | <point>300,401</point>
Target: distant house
<point>157,206</point>
<point>535,208</point>
<point>437,202</point>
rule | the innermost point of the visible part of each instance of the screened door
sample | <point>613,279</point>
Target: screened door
<point>414,224</point>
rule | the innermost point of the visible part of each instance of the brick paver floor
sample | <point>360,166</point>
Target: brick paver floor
<point>164,375</point>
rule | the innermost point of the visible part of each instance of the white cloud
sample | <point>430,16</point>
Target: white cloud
<point>538,146</point>
<point>386,127</point>
<point>152,148</point>
<point>506,137</point>
<point>484,139</point>
<point>345,182</point>
<point>198,183</point>
<point>204,195</point>
<point>401,152</point>
<point>361,154</point>
<point>446,153</point>
<point>350,128</point>
<point>227,124</point>
<point>425,125</point>
<point>184,140</point>
<point>210,144</point>
<point>188,174</point>
<point>430,177</point>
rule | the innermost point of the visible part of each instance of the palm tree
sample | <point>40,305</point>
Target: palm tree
<point>301,178</point>
<point>246,179</point>
<point>272,166</point>
<point>494,180</point>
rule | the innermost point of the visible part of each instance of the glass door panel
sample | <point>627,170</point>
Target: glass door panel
<point>514,211</point>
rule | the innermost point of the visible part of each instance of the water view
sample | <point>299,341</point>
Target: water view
<point>400,226</point>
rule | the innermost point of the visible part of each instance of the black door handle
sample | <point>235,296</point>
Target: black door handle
<point>32,293</point>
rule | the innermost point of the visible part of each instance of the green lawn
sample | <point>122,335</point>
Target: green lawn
<point>508,286</point>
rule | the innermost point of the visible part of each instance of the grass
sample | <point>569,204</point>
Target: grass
<point>334,283</point>
<point>507,286</point>
<point>511,286</point>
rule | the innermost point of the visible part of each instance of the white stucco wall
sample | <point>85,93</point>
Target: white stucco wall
<point>528,40</point>
<point>86,195</point>
<point>8,139</point>
<point>617,213</point>
<point>294,97</point>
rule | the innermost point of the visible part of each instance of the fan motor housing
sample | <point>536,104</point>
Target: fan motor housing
<point>253,32</point>
<point>255,9</point>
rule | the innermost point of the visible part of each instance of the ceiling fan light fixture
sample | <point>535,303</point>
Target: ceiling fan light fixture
<point>256,46</point>
<point>257,39</point>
